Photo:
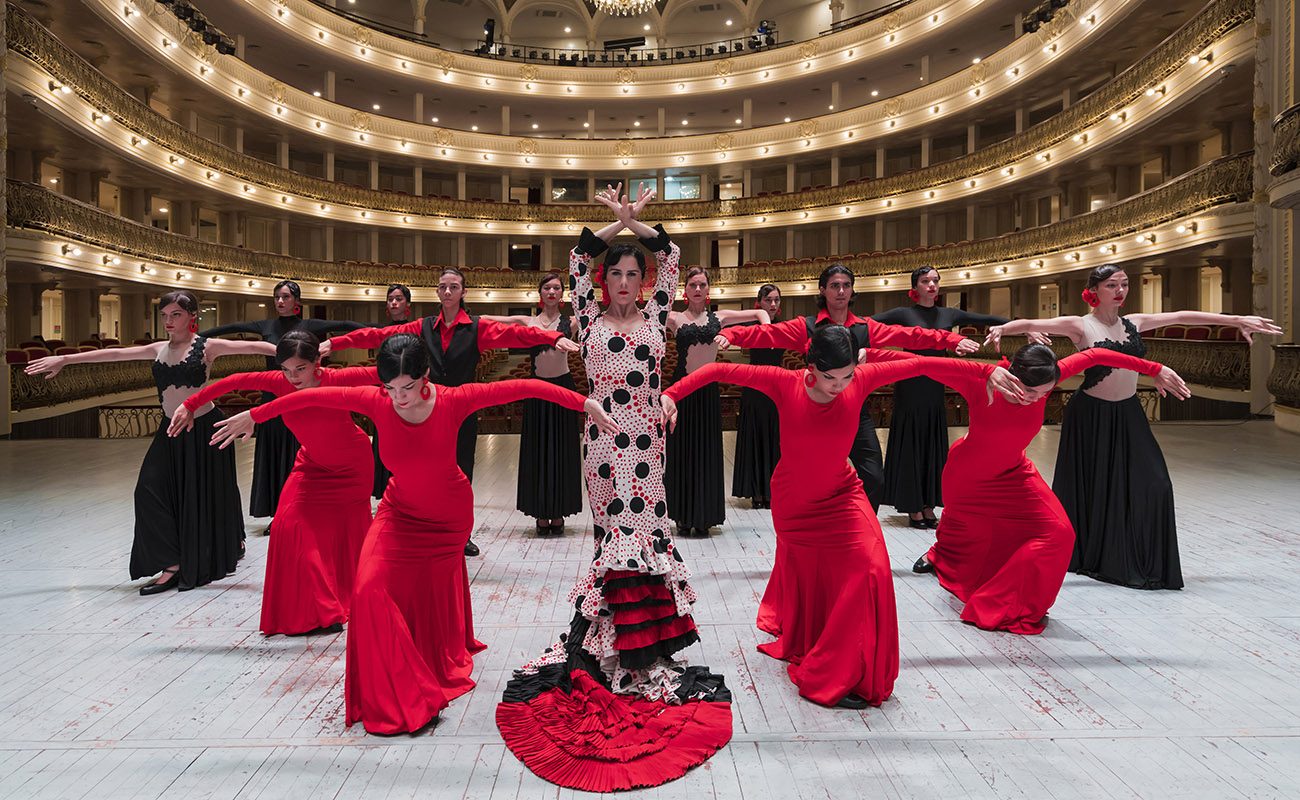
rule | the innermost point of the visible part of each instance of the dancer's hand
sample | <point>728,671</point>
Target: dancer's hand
<point>48,366</point>
<point>966,346</point>
<point>994,337</point>
<point>1038,338</point>
<point>566,345</point>
<point>325,348</point>
<point>1007,385</point>
<point>611,197</point>
<point>669,407</point>
<point>600,417</point>
<point>1251,325</point>
<point>644,196</point>
<point>1169,382</point>
<point>233,428</point>
<point>722,342</point>
<point>182,420</point>
<point>862,355</point>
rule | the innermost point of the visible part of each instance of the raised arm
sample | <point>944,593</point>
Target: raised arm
<point>216,348</point>
<point>493,335</point>
<point>1075,363</point>
<point>581,288</point>
<point>320,327</point>
<point>792,334</point>
<point>49,366</point>
<point>1248,325</point>
<point>894,316</point>
<point>471,397</point>
<point>1069,327</point>
<point>351,376</point>
<point>234,327</point>
<point>363,338</point>
<point>764,379</point>
<point>912,338</point>
<point>269,381</point>
<point>507,319</point>
<point>731,317</point>
<point>960,317</point>
<point>667,268</point>
<point>346,398</point>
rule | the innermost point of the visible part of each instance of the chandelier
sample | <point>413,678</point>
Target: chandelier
<point>623,8</point>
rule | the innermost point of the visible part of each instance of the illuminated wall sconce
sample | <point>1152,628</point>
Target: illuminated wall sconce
<point>1186,227</point>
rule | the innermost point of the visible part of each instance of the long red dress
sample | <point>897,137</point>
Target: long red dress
<point>323,510</point>
<point>411,636</point>
<point>1004,543</point>
<point>830,600</point>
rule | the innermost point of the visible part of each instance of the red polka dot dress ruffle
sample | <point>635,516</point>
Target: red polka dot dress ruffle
<point>607,707</point>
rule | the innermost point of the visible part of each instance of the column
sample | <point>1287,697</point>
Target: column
<point>790,178</point>
<point>417,181</point>
<point>591,123</point>
<point>374,174</point>
<point>460,184</point>
<point>747,113</point>
<point>460,251</point>
<point>880,166</point>
<point>329,166</point>
<point>417,108</point>
<point>835,170</point>
<point>505,120</point>
<point>374,245</point>
<point>662,121</point>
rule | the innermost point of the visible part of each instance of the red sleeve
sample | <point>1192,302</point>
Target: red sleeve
<point>493,335</point>
<point>351,376</point>
<point>270,381</point>
<point>911,338</point>
<point>370,338</point>
<point>474,396</point>
<point>765,379</point>
<point>875,355</point>
<point>1099,356</point>
<point>361,399</point>
<point>791,334</point>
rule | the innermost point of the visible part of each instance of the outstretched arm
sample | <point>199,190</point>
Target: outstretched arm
<point>234,327</point>
<point>792,334</point>
<point>216,348</point>
<point>1248,325</point>
<point>351,376</point>
<point>272,381</point>
<point>1069,327</point>
<point>49,366</point>
<point>368,338</point>
<point>493,335</point>
<point>764,379</point>
<point>240,426</point>
<point>914,338</point>
<point>474,396</point>
<point>667,268</point>
<point>739,317</point>
<point>1165,379</point>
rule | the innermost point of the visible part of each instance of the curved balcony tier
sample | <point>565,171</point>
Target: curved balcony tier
<point>1285,162</point>
<point>978,86</point>
<point>1208,205</point>
<point>1159,83</point>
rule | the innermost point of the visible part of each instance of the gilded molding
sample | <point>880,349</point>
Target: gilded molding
<point>36,44</point>
<point>1219,183</point>
<point>1223,365</point>
<point>1284,380</point>
<point>1286,142</point>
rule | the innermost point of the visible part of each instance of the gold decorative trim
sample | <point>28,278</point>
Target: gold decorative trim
<point>1284,380</point>
<point>1286,142</point>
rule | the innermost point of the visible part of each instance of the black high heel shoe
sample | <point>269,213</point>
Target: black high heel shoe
<point>931,522</point>
<point>919,524</point>
<point>852,701</point>
<point>922,567</point>
<point>165,586</point>
<point>471,549</point>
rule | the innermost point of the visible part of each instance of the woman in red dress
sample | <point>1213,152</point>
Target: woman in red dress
<point>324,507</point>
<point>830,600</point>
<point>410,634</point>
<point>1004,543</point>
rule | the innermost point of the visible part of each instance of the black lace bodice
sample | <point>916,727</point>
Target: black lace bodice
<point>1131,346</point>
<point>189,373</point>
<point>692,333</point>
<point>563,328</point>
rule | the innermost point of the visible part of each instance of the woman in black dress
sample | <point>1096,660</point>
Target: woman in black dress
<point>276,447</point>
<point>918,433</point>
<point>456,340</point>
<point>189,529</point>
<point>549,486</point>
<point>1110,476</point>
<point>758,429</point>
<point>693,475</point>
<point>397,307</point>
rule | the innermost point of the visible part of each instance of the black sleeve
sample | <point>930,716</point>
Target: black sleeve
<point>590,244</point>
<point>660,242</point>
<point>235,327</point>
<point>960,317</point>
<point>319,327</point>
<point>897,316</point>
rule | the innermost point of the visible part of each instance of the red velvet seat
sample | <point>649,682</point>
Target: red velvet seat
<point>1174,332</point>
<point>34,353</point>
<point>1227,333</point>
<point>1198,332</point>
<point>15,356</point>
<point>66,351</point>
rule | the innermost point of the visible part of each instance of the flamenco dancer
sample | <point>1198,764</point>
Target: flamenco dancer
<point>276,448</point>
<point>550,469</point>
<point>410,640</point>
<point>324,509</point>
<point>693,477</point>
<point>758,433</point>
<point>606,707</point>
<point>397,309</point>
<point>1004,543</point>
<point>189,529</point>
<point>1110,475</point>
<point>918,432</point>
<point>835,286</point>
<point>456,340</point>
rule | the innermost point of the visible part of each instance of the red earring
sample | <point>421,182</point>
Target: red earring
<point>1090,297</point>
<point>194,326</point>
<point>297,309</point>
<point>809,379</point>
<point>426,391</point>
<point>915,295</point>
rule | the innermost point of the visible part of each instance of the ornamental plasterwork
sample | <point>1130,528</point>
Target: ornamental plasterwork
<point>527,147</point>
<point>624,148</point>
<point>360,120</point>
<point>722,142</point>
<point>807,128</point>
<point>528,72</point>
<point>443,138</point>
<point>361,35</point>
<point>722,67</point>
<point>625,75</point>
<point>978,74</point>
<point>893,22</point>
<point>276,90</point>
<point>807,50</point>
<point>893,106</point>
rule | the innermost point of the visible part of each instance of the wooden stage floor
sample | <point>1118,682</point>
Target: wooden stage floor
<point>1128,694</point>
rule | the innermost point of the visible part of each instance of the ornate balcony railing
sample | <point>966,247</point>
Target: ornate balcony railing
<point>78,382</point>
<point>1284,380</point>
<point>1286,141</point>
<point>1221,365</point>
<point>31,41</point>
<point>1222,182</point>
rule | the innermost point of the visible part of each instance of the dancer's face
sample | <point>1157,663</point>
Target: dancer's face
<point>286,305</point>
<point>175,319</point>
<point>404,390</point>
<point>551,293</point>
<point>838,291</point>
<point>451,291</point>
<point>623,280</point>
<point>771,303</point>
<point>829,383</point>
<point>1035,393</point>
<point>928,287</point>
<point>697,290</point>
<point>1112,291</point>
<point>399,308</point>
<point>300,373</point>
